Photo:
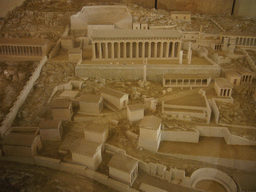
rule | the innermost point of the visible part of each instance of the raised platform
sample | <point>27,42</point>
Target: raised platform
<point>133,69</point>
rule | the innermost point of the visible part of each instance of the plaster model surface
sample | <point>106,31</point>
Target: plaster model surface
<point>87,153</point>
<point>200,120</point>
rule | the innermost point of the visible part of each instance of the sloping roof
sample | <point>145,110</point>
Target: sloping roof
<point>123,163</point>
<point>19,139</point>
<point>136,107</point>
<point>150,122</point>
<point>60,103</point>
<point>82,146</point>
<point>113,92</point>
<point>90,98</point>
<point>129,33</point>
<point>28,41</point>
<point>49,124</point>
<point>223,83</point>
<point>95,127</point>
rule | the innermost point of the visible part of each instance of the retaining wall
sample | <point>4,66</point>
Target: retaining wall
<point>224,132</point>
<point>135,72</point>
<point>7,122</point>
<point>180,136</point>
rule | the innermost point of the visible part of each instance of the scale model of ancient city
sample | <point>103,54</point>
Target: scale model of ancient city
<point>136,99</point>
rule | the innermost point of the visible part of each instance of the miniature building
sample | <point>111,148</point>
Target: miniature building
<point>150,132</point>
<point>96,132</point>
<point>130,44</point>
<point>50,129</point>
<point>114,97</point>
<point>144,26</point>
<point>247,75</point>
<point>223,87</point>
<point>25,47</point>
<point>117,16</point>
<point>67,42</point>
<point>193,105</point>
<point>186,80</point>
<point>22,144</point>
<point>91,103</point>
<point>181,15</point>
<point>87,153</point>
<point>136,26</point>
<point>62,109</point>
<point>240,40</point>
<point>123,168</point>
<point>234,77</point>
<point>135,112</point>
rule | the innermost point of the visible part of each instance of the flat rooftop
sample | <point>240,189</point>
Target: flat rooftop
<point>209,147</point>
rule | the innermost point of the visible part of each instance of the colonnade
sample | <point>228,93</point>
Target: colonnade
<point>21,50</point>
<point>135,49</point>
<point>185,82</point>
<point>225,92</point>
<point>246,78</point>
<point>247,41</point>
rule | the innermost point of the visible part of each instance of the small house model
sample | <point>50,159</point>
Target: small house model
<point>150,132</point>
<point>91,103</point>
<point>123,168</point>
<point>114,98</point>
<point>181,15</point>
<point>135,112</point>
<point>62,109</point>
<point>51,129</point>
<point>247,75</point>
<point>234,77</point>
<point>96,132</point>
<point>22,144</point>
<point>86,153</point>
<point>223,87</point>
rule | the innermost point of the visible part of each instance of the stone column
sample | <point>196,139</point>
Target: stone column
<point>167,49</point>
<point>155,50</point>
<point>112,50</point>
<point>143,50</point>
<point>149,49</point>
<point>41,50</point>
<point>93,51</point>
<point>118,50</point>
<point>131,49</point>
<point>161,49</point>
<point>106,50</point>
<point>173,46</point>
<point>124,50</point>
<point>100,51</point>
<point>178,49</point>
<point>137,50</point>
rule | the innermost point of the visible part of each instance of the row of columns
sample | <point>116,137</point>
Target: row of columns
<point>118,50</point>
<point>247,41</point>
<point>225,92</point>
<point>173,82</point>
<point>247,78</point>
<point>21,50</point>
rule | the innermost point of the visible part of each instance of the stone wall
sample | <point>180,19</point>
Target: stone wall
<point>135,72</point>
